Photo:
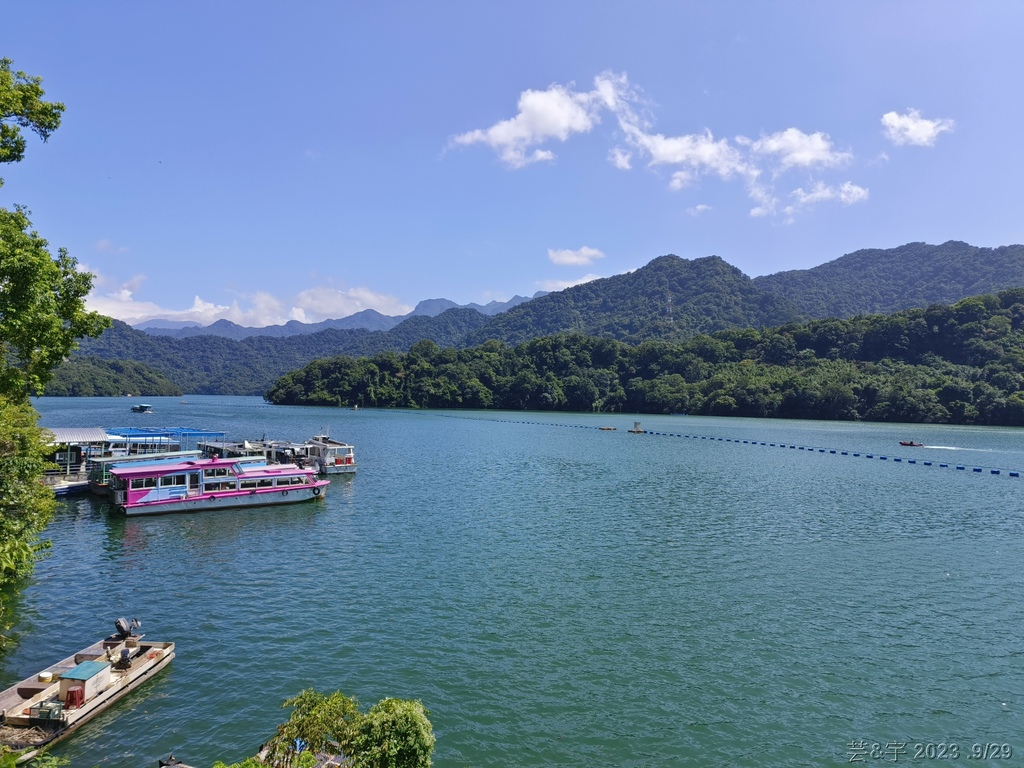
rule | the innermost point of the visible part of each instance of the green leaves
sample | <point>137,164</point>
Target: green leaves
<point>42,307</point>
<point>25,504</point>
<point>22,106</point>
<point>394,733</point>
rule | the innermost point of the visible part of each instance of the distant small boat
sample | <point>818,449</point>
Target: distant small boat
<point>52,704</point>
<point>637,429</point>
<point>142,408</point>
<point>911,444</point>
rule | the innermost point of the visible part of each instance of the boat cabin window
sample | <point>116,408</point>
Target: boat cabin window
<point>248,485</point>
<point>218,472</point>
<point>291,480</point>
<point>169,480</point>
<point>193,481</point>
<point>141,483</point>
<point>265,482</point>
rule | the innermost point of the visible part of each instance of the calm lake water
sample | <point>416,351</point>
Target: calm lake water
<point>557,595</point>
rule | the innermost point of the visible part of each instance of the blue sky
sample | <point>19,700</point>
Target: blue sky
<point>262,161</point>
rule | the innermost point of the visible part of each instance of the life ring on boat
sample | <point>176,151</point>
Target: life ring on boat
<point>284,493</point>
<point>316,491</point>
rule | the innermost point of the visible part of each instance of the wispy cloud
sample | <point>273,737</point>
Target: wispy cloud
<point>559,285</point>
<point>911,128</point>
<point>108,246</point>
<point>847,193</point>
<point>560,112</point>
<point>577,258</point>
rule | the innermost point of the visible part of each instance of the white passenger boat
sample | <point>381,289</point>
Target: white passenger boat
<point>330,457</point>
<point>201,485</point>
<point>52,704</point>
<point>321,453</point>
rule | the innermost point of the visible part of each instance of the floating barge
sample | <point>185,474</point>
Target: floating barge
<point>51,705</point>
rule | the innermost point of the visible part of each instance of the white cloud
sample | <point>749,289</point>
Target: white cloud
<point>556,113</point>
<point>559,285</point>
<point>325,302</point>
<point>847,193</point>
<point>699,153</point>
<point>620,158</point>
<point>560,112</point>
<point>577,258</point>
<point>911,128</point>
<point>850,193</point>
<point>258,310</point>
<point>697,210</point>
<point>796,149</point>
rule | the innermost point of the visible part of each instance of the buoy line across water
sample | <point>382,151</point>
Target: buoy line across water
<point>767,444</point>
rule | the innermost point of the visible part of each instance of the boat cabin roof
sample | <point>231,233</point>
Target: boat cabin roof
<point>69,435</point>
<point>147,458</point>
<point>327,440</point>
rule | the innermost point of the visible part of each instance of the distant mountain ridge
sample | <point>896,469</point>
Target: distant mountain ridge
<point>669,299</point>
<point>367,319</point>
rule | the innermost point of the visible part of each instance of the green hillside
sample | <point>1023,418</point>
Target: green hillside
<point>884,281</point>
<point>94,377</point>
<point>670,298</point>
<point>961,364</point>
<point>215,365</point>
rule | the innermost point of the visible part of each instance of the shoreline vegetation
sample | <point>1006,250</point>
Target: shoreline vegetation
<point>331,730</point>
<point>950,364</point>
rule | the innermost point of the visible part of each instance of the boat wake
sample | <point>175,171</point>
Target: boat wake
<point>955,448</point>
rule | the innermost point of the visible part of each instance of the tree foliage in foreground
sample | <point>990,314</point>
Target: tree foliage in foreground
<point>25,504</point>
<point>42,313</point>
<point>394,733</point>
<point>959,364</point>
<point>22,106</point>
<point>42,307</point>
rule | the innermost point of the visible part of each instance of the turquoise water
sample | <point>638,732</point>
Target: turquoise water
<point>558,595</point>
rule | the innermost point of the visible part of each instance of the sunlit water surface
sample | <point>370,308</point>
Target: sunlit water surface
<point>560,595</point>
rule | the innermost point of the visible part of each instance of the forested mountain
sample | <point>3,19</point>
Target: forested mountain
<point>93,377</point>
<point>216,365</point>
<point>961,364</point>
<point>670,298</point>
<point>885,281</point>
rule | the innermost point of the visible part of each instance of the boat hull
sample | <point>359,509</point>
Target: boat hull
<point>229,500</point>
<point>337,469</point>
